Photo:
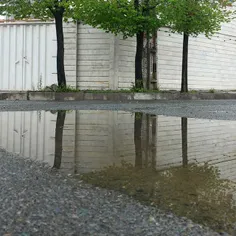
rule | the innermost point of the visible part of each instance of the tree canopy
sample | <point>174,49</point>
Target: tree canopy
<point>39,9</point>
<point>126,17</point>
<point>119,16</point>
<point>195,17</point>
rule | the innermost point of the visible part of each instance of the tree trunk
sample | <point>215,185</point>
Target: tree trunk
<point>61,78</point>
<point>148,62</point>
<point>137,139</point>
<point>138,60</point>
<point>154,60</point>
<point>139,53</point>
<point>61,115</point>
<point>184,129</point>
<point>184,82</point>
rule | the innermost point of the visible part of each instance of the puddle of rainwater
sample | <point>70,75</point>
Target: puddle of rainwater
<point>187,166</point>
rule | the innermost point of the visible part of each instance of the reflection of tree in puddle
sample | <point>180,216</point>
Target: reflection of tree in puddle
<point>61,115</point>
<point>138,138</point>
<point>145,139</point>
<point>184,132</point>
<point>194,191</point>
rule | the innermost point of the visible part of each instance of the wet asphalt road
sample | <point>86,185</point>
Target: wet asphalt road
<point>221,109</point>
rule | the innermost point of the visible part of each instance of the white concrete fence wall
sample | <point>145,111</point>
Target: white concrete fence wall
<point>101,61</point>
<point>104,61</point>
<point>211,61</point>
<point>107,62</point>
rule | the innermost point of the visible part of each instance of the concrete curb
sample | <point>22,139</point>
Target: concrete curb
<point>112,96</point>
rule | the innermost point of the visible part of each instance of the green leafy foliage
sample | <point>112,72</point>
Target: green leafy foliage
<point>194,17</point>
<point>131,16</point>
<point>39,9</point>
<point>212,90</point>
<point>67,89</point>
<point>119,16</point>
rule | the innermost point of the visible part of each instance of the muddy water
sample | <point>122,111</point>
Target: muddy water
<point>187,166</point>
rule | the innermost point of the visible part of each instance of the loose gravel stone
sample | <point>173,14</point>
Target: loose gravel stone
<point>36,200</point>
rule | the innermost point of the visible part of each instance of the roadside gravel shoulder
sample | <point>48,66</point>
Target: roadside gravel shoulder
<point>36,200</point>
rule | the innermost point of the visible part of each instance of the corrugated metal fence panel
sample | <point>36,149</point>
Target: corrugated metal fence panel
<point>27,56</point>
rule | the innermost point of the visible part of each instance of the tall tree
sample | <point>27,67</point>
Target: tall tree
<point>43,9</point>
<point>139,52</point>
<point>127,17</point>
<point>194,17</point>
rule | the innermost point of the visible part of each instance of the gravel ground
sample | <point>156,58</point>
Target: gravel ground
<point>36,200</point>
<point>221,109</point>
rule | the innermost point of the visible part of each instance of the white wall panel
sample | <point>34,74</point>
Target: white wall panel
<point>27,56</point>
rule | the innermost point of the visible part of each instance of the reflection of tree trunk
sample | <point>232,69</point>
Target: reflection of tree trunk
<point>137,138</point>
<point>147,137</point>
<point>153,151</point>
<point>184,128</point>
<point>61,115</point>
<point>154,140</point>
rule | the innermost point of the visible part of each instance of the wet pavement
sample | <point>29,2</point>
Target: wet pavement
<point>182,165</point>
<point>202,109</point>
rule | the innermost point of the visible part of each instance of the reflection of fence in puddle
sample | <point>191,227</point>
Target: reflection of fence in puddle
<point>106,137</point>
<point>30,134</point>
<point>99,138</point>
<point>95,139</point>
